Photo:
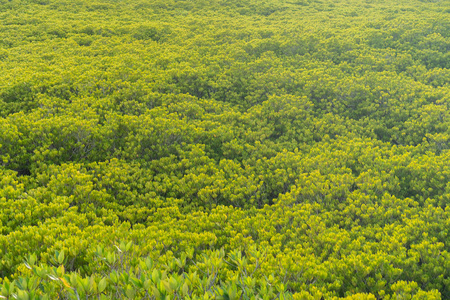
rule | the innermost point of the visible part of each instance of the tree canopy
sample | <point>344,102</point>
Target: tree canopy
<point>224,149</point>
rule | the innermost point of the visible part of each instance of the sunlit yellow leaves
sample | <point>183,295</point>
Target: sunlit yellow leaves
<point>224,149</point>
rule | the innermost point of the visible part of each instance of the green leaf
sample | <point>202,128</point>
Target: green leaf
<point>102,285</point>
<point>185,289</point>
<point>128,246</point>
<point>173,283</point>
<point>52,277</point>
<point>61,257</point>
<point>149,263</point>
<point>130,292</point>
<point>22,295</point>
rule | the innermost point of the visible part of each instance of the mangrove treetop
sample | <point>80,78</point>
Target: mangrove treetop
<point>224,149</point>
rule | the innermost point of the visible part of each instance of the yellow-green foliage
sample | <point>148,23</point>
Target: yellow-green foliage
<point>224,149</point>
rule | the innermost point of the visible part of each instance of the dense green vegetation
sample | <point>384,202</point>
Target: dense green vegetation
<point>225,149</point>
